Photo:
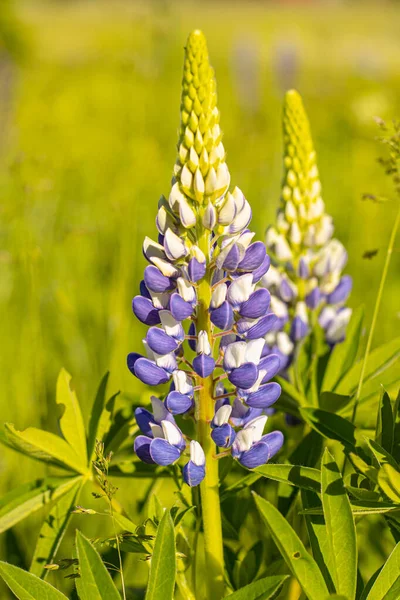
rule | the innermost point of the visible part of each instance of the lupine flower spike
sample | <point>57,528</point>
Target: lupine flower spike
<point>305,278</point>
<point>203,302</point>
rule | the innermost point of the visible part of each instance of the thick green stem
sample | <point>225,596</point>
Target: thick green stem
<point>209,488</point>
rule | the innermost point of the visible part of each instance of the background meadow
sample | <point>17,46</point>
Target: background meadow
<point>89,109</point>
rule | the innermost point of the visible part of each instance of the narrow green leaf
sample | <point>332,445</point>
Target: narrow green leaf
<point>101,415</point>
<point>379,359</point>
<point>388,576</point>
<point>382,456</point>
<point>291,391</point>
<point>302,565</point>
<point>330,425</point>
<point>161,582</point>
<point>302,477</point>
<point>240,484</point>
<point>125,523</point>
<point>389,482</point>
<point>361,508</point>
<point>30,497</point>
<point>341,531</point>
<point>394,592</point>
<point>26,586</point>
<point>262,589</point>
<point>333,402</point>
<point>384,434</point>
<point>95,582</point>
<point>345,353</point>
<point>53,530</point>
<point>71,422</point>
<point>45,446</point>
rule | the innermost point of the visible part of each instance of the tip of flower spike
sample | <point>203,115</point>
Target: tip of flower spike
<point>196,39</point>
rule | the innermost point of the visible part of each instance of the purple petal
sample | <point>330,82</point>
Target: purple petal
<point>298,329</point>
<point>143,419</point>
<point>144,291</point>
<point>253,258</point>
<point>160,342</point>
<point>223,436</point>
<point>156,281</point>
<point>244,376</point>
<point>196,270</point>
<point>342,290</point>
<point>193,474</point>
<point>257,305</point>
<point>192,331</point>
<point>145,311</point>
<point>232,259</point>
<point>313,298</point>
<point>148,372</point>
<point>286,291</point>
<point>222,317</point>
<point>179,308</point>
<point>272,365</point>
<point>262,327</point>
<point>178,403</point>
<point>142,448</point>
<point>262,269</point>
<point>255,457</point>
<point>203,365</point>
<point>274,440</point>
<point>303,270</point>
<point>265,396</point>
<point>163,453</point>
<point>131,360</point>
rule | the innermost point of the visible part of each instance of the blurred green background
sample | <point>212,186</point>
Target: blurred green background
<point>89,110</point>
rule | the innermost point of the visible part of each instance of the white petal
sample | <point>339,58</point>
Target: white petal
<point>245,238</point>
<point>210,217</point>
<point>175,197</point>
<point>186,290</point>
<point>227,212</point>
<point>198,254</point>
<point>222,415</point>
<point>159,410</point>
<point>156,430</point>
<point>282,248</point>
<point>254,349</point>
<point>203,344</point>
<point>301,311</point>
<point>182,382</point>
<point>223,176</point>
<point>242,219</point>
<point>166,268</point>
<point>235,355</point>
<point>290,212</point>
<point>186,214</point>
<point>197,455</point>
<point>211,182</point>
<point>152,249</point>
<point>171,433</point>
<point>240,290</point>
<point>174,245</point>
<point>186,177</point>
<point>257,425</point>
<point>239,199</point>
<point>284,343</point>
<point>244,439</point>
<point>159,299</point>
<point>219,295</point>
<point>170,325</point>
<point>295,233</point>
<point>166,361</point>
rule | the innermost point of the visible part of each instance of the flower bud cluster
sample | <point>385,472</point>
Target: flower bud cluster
<point>202,300</point>
<point>305,278</point>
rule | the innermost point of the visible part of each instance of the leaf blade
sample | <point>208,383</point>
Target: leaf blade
<point>387,577</point>
<point>161,582</point>
<point>95,582</point>
<point>71,422</point>
<point>302,477</point>
<point>262,589</point>
<point>26,586</point>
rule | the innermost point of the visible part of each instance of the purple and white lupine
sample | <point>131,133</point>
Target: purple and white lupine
<point>203,302</point>
<point>305,278</point>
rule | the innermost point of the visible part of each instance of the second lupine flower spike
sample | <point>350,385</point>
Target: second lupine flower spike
<point>201,293</point>
<point>306,277</point>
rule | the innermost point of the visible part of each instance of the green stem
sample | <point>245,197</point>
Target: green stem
<point>376,311</point>
<point>209,488</point>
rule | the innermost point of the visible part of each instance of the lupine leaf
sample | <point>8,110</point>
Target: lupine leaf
<point>240,484</point>
<point>263,589</point>
<point>71,422</point>
<point>161,582</point>
<point>388,576</point>
<point>360,508</point>
<point>302,565</point>
<point>330,425</point>
<point>101,415</point>
<point>26,586</point>
<point>379,359</point>
<point>382,455</point>
<point>291,391</point>
<point>302,477</point>
<point>333,402</point>
<point>384,433</point>
<point>125,523</point>
<point>53,530</point>
<point>340,528</point>
<point>344,354</point>
<point>95,582</point>
<point>389,482</point>
<point>30,497</point>
<point>45,446</point>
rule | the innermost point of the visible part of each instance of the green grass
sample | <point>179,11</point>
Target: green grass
<point>89,147</point>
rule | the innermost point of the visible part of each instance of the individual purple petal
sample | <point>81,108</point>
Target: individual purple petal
<point>265,396</point>
<point>156,281</point>
<point>257,305</point>
<point>192,332</point>
<point>303,269</point>
<point>244,376</point>
<point>271,364</point>
<point>203,365</point>
<point>274,440</point>
<point>196,270</point>
<point>163,453</point>
<point>255,457</point>
<point>148,372</point>
<point>253,258</point>
<point>160,342</point>
<point>298,329</point>
<point>261,328</point>
<point>223,436</point>
<point>262,269</point>
<point>222,317</point>
<point>178,403</point>
<point>232,259</point>
<point>286,291</point>
<point>142,448</point>
<point>313,298</point>
<point>342,291</point>
<point>193,474</point>
<point>143,419</point>
<point>144,291</point>
<point>145,311</point>
<point>131,360</point>
<point>179,308</point>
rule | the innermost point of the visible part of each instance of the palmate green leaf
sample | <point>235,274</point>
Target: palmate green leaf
<point>302,565</point>
<point>101,415</point>
<point>26,586</point>
<point>263,589</point>
<point>330,425</point>
<point>30,497</point>
<point>53,530</point>
<point>340,527</point>
<point>161,582</point>
<point>379,359</point>
<point>95,582</point>
<point>71,421</point>
<point>302,477</point>
<point>344,354</point>
<point>384,434</point>
<point>388,576</point>
<point>45,446</point>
